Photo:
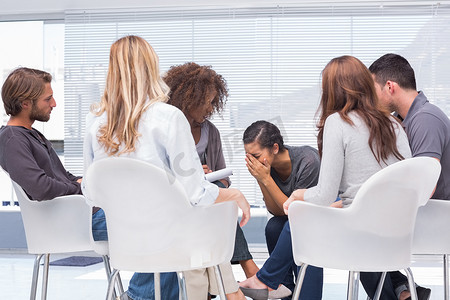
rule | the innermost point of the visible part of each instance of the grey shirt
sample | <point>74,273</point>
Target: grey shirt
<point>32,163</point>
<point>214,153</point>
<point>347,161</point>
<point>305,170</point>
<point>428,130</point>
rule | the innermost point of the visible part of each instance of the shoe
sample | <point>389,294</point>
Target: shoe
<point>422,293</point>
<point>281,292</point>
<point>255,294</point>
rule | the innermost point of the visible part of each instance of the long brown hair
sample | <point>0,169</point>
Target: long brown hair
<point>347,86</point>
<point>133,83</point>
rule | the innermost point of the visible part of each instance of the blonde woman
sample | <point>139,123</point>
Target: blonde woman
<point>133,120</point>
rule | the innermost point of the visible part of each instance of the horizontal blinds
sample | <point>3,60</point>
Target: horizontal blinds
<point>271,58</point>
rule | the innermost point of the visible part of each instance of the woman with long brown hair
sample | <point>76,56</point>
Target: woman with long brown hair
<point>356,139</point>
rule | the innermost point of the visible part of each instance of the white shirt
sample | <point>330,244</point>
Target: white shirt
<point>165,141</point>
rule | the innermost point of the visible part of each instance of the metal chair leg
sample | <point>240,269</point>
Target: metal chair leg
<point>111,283</point>
<point>353,285</point>
<point>182,286</point>
<point>119,285</point>
<point>45,276</point>
<point>34,280</point>
<point>299,283</point>
<point>220,282</point>
<point>157,281</point>
<point>412,285</point>
<point>380,287</point>
<point>446,279</point>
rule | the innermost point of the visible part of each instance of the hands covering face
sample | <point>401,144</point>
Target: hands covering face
<point>259,170</point>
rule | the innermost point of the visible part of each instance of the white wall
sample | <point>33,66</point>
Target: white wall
<point>20,9</point>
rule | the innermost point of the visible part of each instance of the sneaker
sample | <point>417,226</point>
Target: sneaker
<point>422,293</point>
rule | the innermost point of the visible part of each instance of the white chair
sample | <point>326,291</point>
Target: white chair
<point>374,234</point>
<point>432,234</point>
<point>102,248</point>
<point>60,225</point>
<point>152,227</point>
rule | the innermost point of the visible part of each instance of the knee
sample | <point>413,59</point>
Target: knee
<point>275,226</point>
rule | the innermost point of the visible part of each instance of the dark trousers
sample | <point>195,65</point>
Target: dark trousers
<point>280,267</point>
<point>393,280</point>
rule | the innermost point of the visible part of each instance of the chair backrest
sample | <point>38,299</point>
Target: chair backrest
<point>152,227</point>
<point>431,234</point>
<point>59,225</point>
<point>394,194</point>
<point>376,230</point>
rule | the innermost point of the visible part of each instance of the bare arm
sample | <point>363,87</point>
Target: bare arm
<point>232,194</point>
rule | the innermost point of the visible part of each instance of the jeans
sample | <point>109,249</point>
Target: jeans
<point>280,267</point>
<point>141,285</point>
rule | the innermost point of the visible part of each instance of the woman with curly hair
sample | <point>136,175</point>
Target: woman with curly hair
<point>199,92</point>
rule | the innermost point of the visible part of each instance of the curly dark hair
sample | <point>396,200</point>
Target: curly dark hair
<point>189,84</point>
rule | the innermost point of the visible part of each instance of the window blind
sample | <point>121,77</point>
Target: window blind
<point>271,57</point>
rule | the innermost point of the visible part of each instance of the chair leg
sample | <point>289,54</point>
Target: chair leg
<point>412,285</point>
<point>299,283</point>
<point>119,284</point>
<point>111,283</point>
<point>108,275</point>
<point>380,287</point>
<point>353,285</point>
<point>220,282</point>
<point>45,276</point>
<point>182,286</point>
<point>34,280</point>
<point>157,282</point>
<point>446,279</point>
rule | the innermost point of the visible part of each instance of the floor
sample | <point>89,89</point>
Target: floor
<point>70,283</point>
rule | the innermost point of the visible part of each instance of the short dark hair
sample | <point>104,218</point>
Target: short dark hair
<point>395,68</point>
<point>264,133</point>
<point>23,84</point>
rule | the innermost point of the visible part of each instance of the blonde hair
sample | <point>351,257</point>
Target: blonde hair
<point>133,83</point>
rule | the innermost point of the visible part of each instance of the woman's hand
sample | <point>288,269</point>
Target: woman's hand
<point>296,195</point>
<point>206,169</point>
<point>232,194</point>
<point>261,171</point>
<point>337,204</point>
<point>245,207</point>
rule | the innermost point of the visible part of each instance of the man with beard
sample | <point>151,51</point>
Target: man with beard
<point>25,153</point>
<point>428,131</point>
